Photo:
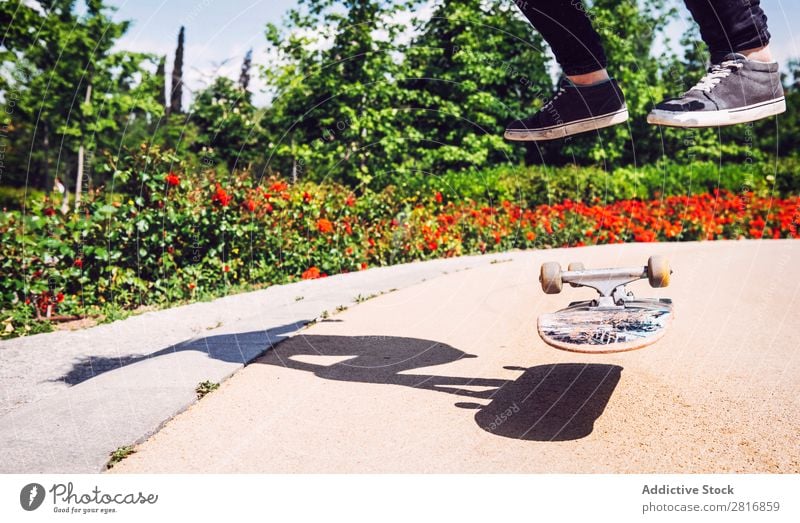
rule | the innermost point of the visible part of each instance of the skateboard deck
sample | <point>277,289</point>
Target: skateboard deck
<point>584,328</point>
<point>613,322</point>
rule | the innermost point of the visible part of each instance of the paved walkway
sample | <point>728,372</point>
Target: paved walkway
<point>450,376</point>
<point>67,399</point>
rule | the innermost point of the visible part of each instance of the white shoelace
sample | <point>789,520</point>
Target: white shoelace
<point>716,74</point>
<point>553,99</point>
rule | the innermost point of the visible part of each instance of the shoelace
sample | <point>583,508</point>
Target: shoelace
<point>553,99</point>
<point>716,74</point>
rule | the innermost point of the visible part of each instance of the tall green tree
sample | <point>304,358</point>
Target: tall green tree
<point>474,66</point>
<point>72,91</point>
<point>161,78</point>
<point>176,95</point>
<point>244,75</point>
<point>335,105</point>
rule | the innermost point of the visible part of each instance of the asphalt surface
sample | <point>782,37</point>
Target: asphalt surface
<point>450,375</point>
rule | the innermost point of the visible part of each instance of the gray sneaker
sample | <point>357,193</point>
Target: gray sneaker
<point>736,90</point>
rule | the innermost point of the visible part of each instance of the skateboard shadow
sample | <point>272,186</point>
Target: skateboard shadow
<point>556,402</point>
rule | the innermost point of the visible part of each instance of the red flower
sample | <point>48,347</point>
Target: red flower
<point>60,297</point>
<point>250,205</point>
<point>278,187</point>
<point>350,201</point>
<point>306,197</point>
<point>438,197</point>
<point>312,273</point>
<point>171,249</point>
<point>191,286</point>
<point>432,245</point>
<point>225,268</point>
<point>49,211</point>
<point>173,179</point>
<point>364,266</point>
<point>78,263</point>
<point>268,207</point>
<point>221,196</point>
<point>324,226</point>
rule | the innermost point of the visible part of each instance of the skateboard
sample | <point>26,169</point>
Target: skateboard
<point>616,320</point>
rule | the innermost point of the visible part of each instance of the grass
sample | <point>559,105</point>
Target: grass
<point>204,387</point>
<point>119,454</point>
<point>212,327</point>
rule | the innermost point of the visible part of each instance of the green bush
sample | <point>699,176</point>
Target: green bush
<point>13,198</point>
<point>532,185</point>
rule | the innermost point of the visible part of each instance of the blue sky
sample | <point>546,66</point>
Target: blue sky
<point>219,32</point>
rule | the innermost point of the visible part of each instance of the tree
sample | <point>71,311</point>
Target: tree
<point>226,123</point>
<point>335,111</point>
<point>161,78</point>
<point>244,76</point>
<point>71,91</point>
<point>360,100</point>
<point>176,97</point>
<point>474,66</point>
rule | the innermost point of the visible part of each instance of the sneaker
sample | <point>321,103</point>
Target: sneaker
<point>736,90</point>
<point>573,109</point>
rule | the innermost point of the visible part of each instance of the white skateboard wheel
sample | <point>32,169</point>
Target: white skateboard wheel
<point>658,271</point>
<point>550,276</point>
<point>575,266</point>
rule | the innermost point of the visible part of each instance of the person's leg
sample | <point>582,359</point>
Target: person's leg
<point>568,31</point>
<point>587,99</point>
<point>732,26</point>
<point>743,83</point>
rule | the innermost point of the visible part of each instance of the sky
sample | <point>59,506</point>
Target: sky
<point>219,33</point>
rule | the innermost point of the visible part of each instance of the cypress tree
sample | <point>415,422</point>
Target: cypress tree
<point>177,77</point>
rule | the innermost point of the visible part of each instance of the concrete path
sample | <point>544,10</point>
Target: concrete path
<point>450,376</point>
<point>67,399</point>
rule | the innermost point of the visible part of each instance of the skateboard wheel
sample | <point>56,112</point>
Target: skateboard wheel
<point>658,271</point>
<point>550,276</point>
<point>575,266</point>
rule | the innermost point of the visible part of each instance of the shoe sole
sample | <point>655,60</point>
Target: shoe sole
<point>690,119</point>
<point>567,129</point>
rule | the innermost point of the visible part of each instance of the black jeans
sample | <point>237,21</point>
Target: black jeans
<point>725,25</point>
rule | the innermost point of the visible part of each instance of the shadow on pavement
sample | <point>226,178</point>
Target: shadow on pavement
<point>234,348</point>
<point>555,402</point>
<point>558,402</point>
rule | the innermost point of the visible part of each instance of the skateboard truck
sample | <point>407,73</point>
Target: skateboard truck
<point>609,283</point>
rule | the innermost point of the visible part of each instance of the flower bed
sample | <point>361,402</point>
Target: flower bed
<point>169,239</point>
